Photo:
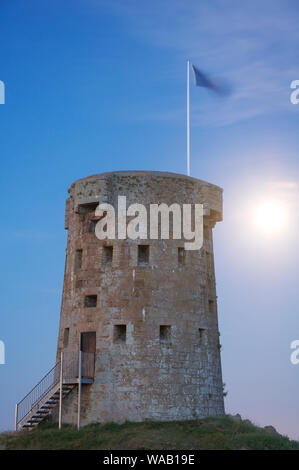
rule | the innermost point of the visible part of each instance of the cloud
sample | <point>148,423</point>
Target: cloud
<point>250,45</point>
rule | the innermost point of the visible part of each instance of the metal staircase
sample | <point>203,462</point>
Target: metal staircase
<point>73,369</point>
<point>36,417</point>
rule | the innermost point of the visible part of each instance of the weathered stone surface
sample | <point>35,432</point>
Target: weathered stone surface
<point>270,429</point>
<point>237,418</point>
<point>145,377</point>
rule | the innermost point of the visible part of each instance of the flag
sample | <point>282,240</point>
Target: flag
<point>202,80</point>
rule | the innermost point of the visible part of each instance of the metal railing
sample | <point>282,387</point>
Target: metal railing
<point>33,399</point>
<point>69,364</point>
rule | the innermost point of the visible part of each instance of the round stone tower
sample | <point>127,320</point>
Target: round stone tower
<point>146,308</point>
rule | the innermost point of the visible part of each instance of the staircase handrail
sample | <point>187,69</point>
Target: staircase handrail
<point>38,392</point>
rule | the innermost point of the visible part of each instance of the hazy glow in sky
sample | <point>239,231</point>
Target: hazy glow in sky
<point>270,217</point>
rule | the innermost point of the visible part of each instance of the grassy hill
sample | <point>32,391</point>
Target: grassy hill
<point>224,432</point>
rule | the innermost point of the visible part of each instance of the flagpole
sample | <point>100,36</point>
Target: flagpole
<point>188,122</point>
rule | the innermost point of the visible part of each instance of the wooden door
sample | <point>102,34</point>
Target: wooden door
<point>88,341</point>
<point>88,348</point>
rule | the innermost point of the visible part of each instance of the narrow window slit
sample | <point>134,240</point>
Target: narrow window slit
<point>90,301</point>
<point>78,260</point>
<point>120,333</point>
<point>143,255</point>
<point>202,336</point>
<point>107,255</point>
<point>165,334</point>
<point>181,256</point>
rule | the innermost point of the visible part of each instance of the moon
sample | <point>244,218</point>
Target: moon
<point>270,217</point>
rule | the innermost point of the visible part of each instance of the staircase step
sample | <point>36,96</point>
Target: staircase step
<point>41,415</point>
<point>41,408</point>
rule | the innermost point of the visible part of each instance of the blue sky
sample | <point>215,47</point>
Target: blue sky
<point>94,86</point>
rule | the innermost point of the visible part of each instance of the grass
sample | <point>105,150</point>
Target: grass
<point>211,433</point>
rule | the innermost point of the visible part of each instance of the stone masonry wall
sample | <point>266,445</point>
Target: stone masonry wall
<point>145,377</point>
